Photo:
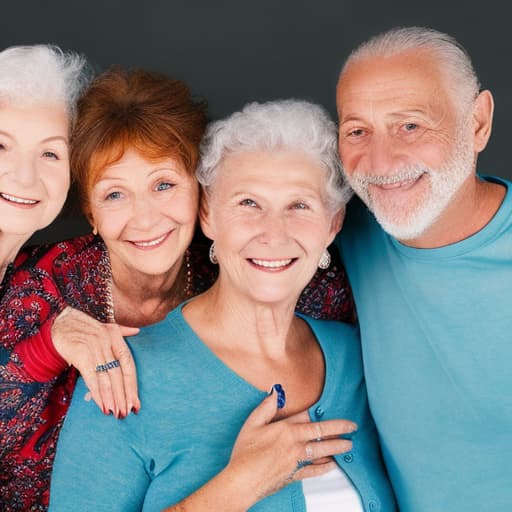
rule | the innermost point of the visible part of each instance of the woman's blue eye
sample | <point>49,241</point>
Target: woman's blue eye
<point>113,196</point>
<point>300,206</point>
<point>164,186</point>
<point>50,154</point>
<point>248,202</point>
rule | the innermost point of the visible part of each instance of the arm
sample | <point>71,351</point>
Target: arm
<point>265,457</point>
<point>98,464</point>
<point>40,336</point>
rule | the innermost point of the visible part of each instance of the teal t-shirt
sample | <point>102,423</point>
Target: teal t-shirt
<point>193,407</point>
<point>436,331</point>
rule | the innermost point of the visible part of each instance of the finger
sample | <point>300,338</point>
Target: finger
<point>91,381</point>
<point>128,331</point>
<point>323,429</point>
<point>264,413</point>
<point>315,470</point>
<point>123,354</point>
<point>318,449</point>
<point>114,381</point>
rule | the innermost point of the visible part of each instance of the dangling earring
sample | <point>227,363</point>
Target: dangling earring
<point>213,256</point>
<point>325,260</point>
<point>94,230</point>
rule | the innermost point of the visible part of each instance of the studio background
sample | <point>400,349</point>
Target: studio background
<point>232,52</point>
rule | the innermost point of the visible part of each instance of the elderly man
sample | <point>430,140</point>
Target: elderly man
<point>431,269</point>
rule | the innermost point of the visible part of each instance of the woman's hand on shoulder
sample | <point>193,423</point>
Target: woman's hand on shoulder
<point>98,351</point>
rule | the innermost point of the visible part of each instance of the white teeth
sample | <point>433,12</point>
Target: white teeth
<point>19,200</point>
<point>156,241</point>
<point>272,263</point>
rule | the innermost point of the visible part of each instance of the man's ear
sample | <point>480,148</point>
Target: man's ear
<point>204,214</point>
<point>483,109</point>
<point>336,223</point>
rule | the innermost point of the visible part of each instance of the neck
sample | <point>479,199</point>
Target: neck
<point>141,299</point>
<point>470,210</point>
<point>268,328</point>
<point>9,247</point>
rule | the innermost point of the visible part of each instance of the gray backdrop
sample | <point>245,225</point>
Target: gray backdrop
<point>231,52</point>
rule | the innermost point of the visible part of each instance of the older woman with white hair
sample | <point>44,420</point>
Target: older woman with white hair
<point>273,201</point>
<point>39,88</point>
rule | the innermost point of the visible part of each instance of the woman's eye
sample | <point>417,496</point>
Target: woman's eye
<point>300,206</point>
<point>248,202</point>
<point>164,186</point>
<point>113,196</point>
<point>50,154</point>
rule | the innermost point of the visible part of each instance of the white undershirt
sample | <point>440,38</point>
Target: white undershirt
<point>331,492</point>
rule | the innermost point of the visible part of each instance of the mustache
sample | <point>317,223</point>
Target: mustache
<point>407,174</point>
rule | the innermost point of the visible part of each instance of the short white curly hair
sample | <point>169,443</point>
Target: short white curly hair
<point>290,125</point>
<point>42,74</point>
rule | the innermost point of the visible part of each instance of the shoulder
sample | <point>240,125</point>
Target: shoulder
<point>336,338</point>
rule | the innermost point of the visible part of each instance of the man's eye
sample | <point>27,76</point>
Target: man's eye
<point>409,127</point>
<point>248,202</point>
<point>358,132</point>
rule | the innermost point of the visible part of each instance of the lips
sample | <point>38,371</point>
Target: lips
<point>272,264</point>
<point>150,244</point>
<point>400,184</point>
<point>21,201</point>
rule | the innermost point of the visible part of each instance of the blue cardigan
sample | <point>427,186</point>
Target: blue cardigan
<point>193,408</point>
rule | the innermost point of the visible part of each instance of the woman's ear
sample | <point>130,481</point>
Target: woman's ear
<point>336,223</point>
<point>204,214</point>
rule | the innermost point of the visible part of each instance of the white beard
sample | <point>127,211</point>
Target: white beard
<point>410,222</point>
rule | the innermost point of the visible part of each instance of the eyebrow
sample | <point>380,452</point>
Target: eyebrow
<point>44,141</point>
<point>56,138</point>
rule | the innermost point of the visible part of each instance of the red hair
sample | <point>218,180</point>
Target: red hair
<point>140,110</point>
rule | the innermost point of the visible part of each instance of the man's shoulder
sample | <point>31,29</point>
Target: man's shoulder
<point>359,224</point>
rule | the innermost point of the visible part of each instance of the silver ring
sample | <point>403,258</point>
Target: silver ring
<point>101,368</point>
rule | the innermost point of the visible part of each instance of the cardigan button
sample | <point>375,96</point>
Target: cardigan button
<point>348,457</point>
<point>319,412</point>
<point>373,505</point>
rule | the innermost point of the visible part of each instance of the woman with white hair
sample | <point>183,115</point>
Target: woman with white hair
<point>273,201</point>
<point>39,88</point>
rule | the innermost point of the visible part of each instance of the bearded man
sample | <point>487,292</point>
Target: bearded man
<point>429,256</point>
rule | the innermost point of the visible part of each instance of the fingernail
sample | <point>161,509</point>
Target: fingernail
<point>281,395</point>
<point>353,427</point>
<point>135,410</point>
<point>270,392</point>
<point>110,412</point>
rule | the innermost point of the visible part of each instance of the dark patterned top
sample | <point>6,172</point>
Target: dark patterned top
<point>77,273</point>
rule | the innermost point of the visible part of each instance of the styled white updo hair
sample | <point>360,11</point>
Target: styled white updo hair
<point>42,74</point>
<point>284,125</point>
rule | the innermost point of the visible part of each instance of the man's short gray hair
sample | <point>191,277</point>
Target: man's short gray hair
<point>453,59</point>
<point>289,125</point>
<point>42,74</point>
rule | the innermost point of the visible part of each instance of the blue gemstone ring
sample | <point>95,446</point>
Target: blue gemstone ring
<point>108,366</point>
